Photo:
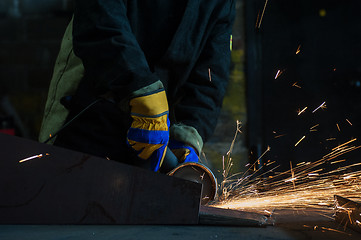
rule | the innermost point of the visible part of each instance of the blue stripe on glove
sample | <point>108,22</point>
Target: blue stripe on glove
<point>183,152</point>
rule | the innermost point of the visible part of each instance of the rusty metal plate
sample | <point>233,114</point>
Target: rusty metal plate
<point>60,186</point>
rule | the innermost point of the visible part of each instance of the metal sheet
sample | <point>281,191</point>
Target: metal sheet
<point>209,215</point>
<point>348,213</point>
<point>67,187</point>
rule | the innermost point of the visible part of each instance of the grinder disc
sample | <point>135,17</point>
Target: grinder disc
<point>198,173</point>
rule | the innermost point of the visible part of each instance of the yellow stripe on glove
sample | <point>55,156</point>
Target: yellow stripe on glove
<point>150,105</point>
<point>149,134</point>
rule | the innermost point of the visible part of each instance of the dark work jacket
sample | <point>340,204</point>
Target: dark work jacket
<point>126,45</point>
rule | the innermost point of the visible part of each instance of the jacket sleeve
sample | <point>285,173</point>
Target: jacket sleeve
<point>111,55</point>
<point>203,92</point>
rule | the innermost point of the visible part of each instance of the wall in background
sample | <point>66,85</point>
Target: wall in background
<point>29,43</point>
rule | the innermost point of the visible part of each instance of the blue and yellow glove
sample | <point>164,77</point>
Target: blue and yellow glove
<point>183,152</point>
<point>149,134</point>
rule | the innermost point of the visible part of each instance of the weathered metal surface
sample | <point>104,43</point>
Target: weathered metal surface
<point>68,187</point>
<point>348,213</point>
<point>209,215</point>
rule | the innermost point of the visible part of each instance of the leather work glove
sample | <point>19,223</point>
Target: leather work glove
<point>183,152</point>
<point>149,134</point>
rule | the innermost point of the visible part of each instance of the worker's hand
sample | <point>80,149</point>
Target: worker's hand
<point>148,134</point>
<point>183,152</point>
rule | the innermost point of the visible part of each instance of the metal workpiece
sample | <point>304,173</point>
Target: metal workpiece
<point>44,184</point>
<point>199,173</point>
<point>348,213</point>
<point>209,215</point>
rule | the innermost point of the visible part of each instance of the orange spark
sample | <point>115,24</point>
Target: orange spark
<point>281,135</point>
<point>338,161</point>
<point>293,176</point>
<point>257,20</point>
<point>300,140</point>
<point>264,8</point>
<point>298,49</point>
<point>209,75</point>
<point>348,122</point>
<point>334,230</point>
<point>295,85</point>
<point>312,128</point>
<point>301,111</point>
<point>330,139</point>
<point>343,144</point>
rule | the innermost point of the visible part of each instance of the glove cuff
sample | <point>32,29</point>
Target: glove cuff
<point>188,135</point>
<point>124,103</point>
<point>149,101</point>
<point>147,89</point>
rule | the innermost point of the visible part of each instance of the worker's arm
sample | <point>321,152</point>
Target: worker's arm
<point>203,93</point>
<point>111,55</point>
<point>114,62</point>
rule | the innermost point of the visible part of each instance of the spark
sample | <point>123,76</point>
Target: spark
<point>281,135</point>
<point>264,8</point>
<point>323,105</point>
<point>313,174</point>
<point>330,139</point>
<point>300,140</point>
<point>343,144</point>
<point>315,187</point>
<point>257,19</point>
<point>334,230</point>
<point>270,163</point>
<point>33,157</point>
<point>348,122</point>
<point>209,75</point>
<point>338,127</point>
<point>295,85</point>
<point>312,129</point>
<point>301,111</point>
<point>298,49</point>
<point>267,150</point>
<point>279,72</point>
<point>338,161</point>
<point>293,176</point>
<point>268,212</point>
<point>227,164</point>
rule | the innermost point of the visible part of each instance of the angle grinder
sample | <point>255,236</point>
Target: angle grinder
<point>192,171</point>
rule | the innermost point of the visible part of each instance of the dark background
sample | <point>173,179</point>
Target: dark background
<point>327,68</point>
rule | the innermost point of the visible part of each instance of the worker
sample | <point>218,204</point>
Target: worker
<point>135,78</point>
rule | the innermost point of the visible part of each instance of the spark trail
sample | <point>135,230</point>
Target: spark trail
<point>305,185</point>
